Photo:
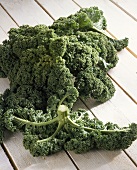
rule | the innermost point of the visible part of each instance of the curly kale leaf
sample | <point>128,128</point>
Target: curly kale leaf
<point>94,83</point>
<point>84,20</point>
<point>45,148</point>
<point>119,44</point>
<point>45,134</point>
<point>61,83</point>
<point>104,52</point>
<point>96,16</point>
<point>94,134</point>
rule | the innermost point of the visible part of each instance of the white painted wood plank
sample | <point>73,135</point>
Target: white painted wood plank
<point>4,161</point>
<point>119,23</point>
<point>5,21</point>
<point>125,73</point>
<point>26,12</point>
<point>129,6</point>
<point>103,160</point>
<point>122,70</point>
<point>59,8</point>
<point>3,35</point>
<point>119,109</point>
<point>132,151</point>
<point>4,84</point>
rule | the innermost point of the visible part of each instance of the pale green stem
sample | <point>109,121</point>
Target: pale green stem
<point>61,101</point>
<point>36,123</point>
<point>54,134</point>
<point>92,129</point>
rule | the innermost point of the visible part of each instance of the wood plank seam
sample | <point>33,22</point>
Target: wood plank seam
<point>72,160</point>
<point>9,157</point>
<point>123,10</point>
<point>130,158</point>
<point>44,9</point>
<point>77,3</point>
<point>123,90</point>
<point>83,101</point>
<point>9,15</point>
<point>3,30</point>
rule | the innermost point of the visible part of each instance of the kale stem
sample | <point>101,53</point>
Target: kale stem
<point>92,129</point>
<point>62,115</point>
<point>73,123</point>
<point>36,123</point>
<point>115,130</point>
<point>54,134</point>
<point>61,101</point>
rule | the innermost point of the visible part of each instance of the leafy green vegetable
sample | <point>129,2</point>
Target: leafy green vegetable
<point>48,69</point>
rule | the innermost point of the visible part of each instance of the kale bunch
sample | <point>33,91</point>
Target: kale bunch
<point>48,69</point>
<point>32,55</point>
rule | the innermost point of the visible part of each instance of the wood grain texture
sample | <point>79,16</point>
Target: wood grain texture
<point>103,160</point>
<point>128,6</point>
<point>4,161</point>
<point>26,12</point>
<point>119,23</point>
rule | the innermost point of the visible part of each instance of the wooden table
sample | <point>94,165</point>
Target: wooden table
<point>122,108</point>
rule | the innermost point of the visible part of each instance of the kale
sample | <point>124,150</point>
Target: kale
<point>49,67</point>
